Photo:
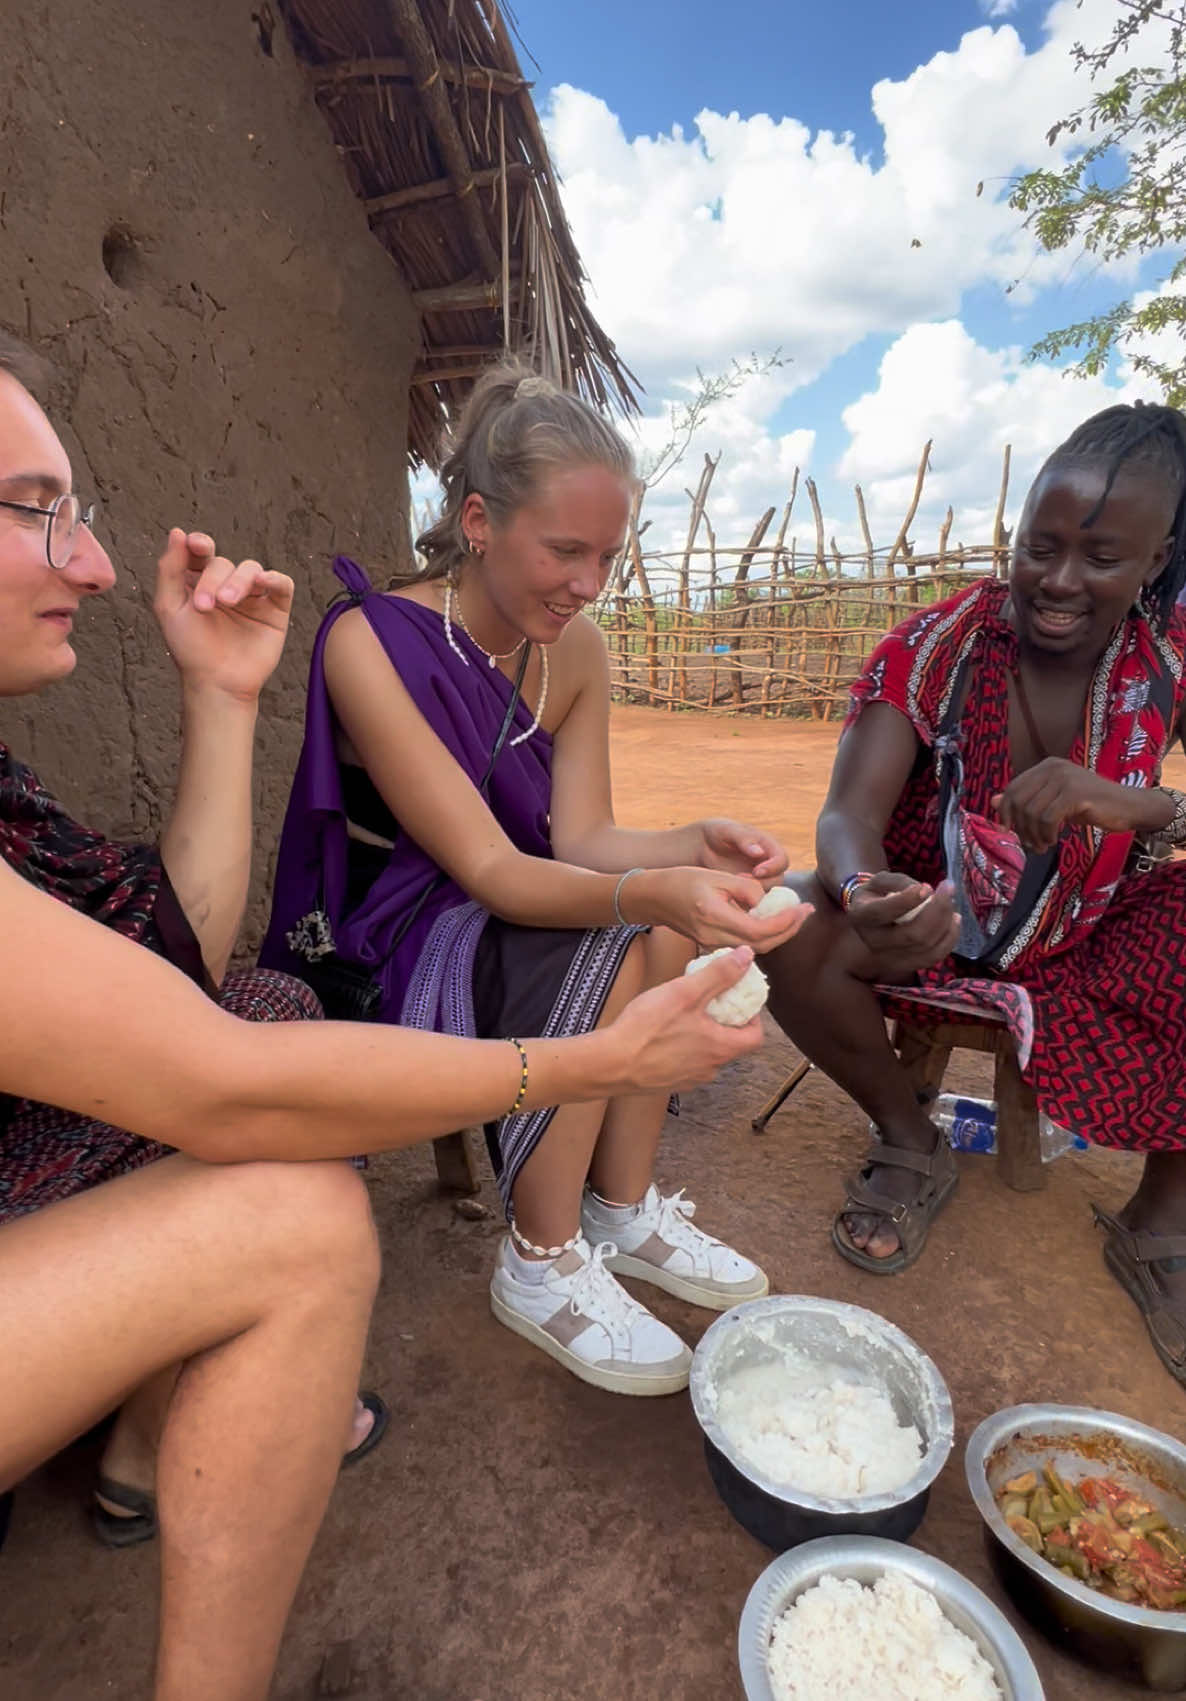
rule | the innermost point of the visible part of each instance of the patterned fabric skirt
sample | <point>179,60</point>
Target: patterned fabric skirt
<point>1100,1029</point>
<point>491,979</point>
<point>47,1154</point>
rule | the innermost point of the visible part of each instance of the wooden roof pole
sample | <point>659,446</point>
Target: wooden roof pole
<point>459,297</point>
<point>527,112</point>
<point>429,85</point>
<point>377,206</point>
<point>480,77</point>
<point>450,374</point>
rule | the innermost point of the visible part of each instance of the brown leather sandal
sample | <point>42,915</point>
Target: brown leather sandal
<point>911,1221</point>
<point>1132,1255</point>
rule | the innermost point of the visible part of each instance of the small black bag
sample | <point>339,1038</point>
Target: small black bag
<point>346,991</point>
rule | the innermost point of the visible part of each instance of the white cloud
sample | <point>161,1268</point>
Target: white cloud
<point>998,8</point>
<point>936,382</point>
<point>748,234</point>
<point>753,232</point>
<point>756,470</point>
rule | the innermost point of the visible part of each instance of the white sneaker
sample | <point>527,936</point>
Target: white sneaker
<point>581,1316</point>
<point>660,1244</point>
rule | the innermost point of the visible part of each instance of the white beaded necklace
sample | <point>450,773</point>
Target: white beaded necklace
<point>492,658</point>
<point>490,655</point>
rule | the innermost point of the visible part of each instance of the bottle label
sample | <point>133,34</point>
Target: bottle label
<point>971,1134</point>
<point>973,1125</point>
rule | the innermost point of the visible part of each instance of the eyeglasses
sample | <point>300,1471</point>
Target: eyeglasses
<point>62,519</point>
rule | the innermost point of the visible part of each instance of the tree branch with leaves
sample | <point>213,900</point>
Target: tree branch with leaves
<point>684,419</point>
<point>1124,193</point>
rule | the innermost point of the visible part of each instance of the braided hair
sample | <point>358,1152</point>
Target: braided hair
<point>1153,438</point>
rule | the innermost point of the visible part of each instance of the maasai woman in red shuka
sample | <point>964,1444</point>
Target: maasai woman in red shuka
<point>985,842</point>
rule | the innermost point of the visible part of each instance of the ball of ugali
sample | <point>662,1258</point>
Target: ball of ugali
<point>777,898</point>
<point>739,1003</point>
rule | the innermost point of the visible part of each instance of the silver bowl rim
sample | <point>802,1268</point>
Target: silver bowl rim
<point>815,1559</point>
<point>938,1446</point>
<point>995,1429</point>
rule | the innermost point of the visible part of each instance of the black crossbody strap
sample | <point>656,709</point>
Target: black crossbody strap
<point>507,720</point>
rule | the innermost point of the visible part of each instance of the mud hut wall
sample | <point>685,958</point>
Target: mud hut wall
<point>230,348</point>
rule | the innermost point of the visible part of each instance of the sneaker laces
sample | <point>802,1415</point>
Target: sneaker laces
<point>675,1223</point>
<point>673,1220</point>
<point>597,1294</point>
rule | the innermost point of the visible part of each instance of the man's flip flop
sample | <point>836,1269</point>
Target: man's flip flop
<point>140,1523</point>
<point>379,1412</point>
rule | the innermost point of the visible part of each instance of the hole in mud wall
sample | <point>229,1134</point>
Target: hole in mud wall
<point>123,258</point>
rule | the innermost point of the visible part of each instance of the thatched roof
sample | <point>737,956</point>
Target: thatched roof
<point>436,126</point>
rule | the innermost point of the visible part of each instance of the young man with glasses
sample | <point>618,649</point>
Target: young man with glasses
<point>254,1272</point>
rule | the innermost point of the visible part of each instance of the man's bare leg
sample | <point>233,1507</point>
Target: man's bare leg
<point>822,998</point>
<point>259,1277</point>
<point>130,1456</point>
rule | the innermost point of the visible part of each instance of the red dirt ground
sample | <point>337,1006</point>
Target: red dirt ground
<point>520,1536</point>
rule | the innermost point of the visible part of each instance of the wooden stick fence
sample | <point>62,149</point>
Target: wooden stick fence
<point>784,632</point>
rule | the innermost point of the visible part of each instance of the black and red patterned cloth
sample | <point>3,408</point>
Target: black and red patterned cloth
<point>112,883</point>
<point>47,1154</point>
<point>1093,988</point>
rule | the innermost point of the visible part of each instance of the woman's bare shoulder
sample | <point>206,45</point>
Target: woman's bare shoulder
<point>579,665</point>
<point>582,644</point>
<point>428,593</point>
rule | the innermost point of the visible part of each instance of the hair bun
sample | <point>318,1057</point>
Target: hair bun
<point>534,386</point>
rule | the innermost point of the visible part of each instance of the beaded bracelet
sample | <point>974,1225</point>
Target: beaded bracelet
<point>622,879</point>
<point>1175,832</point>
<point>522,1093</point>
<point>850,887</point>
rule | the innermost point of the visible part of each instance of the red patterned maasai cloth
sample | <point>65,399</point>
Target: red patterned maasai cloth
<point>1093,988</point>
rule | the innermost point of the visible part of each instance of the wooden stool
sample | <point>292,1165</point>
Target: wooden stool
<point>925,1041</point>
<point>457,1161</point>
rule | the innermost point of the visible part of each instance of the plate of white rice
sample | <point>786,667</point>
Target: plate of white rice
<point>850,1617</point>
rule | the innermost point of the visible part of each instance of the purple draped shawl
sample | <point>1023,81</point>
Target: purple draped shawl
<point>463,700</point>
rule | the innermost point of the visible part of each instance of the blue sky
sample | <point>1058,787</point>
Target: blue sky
<point>657,62</point>
<point>736,185</point>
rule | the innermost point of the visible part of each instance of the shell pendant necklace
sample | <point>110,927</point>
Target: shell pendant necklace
<point>453,610</point>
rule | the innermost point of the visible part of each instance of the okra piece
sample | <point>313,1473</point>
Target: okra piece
<point>1026,1531</point>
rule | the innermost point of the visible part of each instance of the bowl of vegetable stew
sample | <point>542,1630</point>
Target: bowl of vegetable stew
<point>1085,1518</point>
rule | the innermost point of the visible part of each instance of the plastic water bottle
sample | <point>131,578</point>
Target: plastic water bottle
<point>971,1126</point>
